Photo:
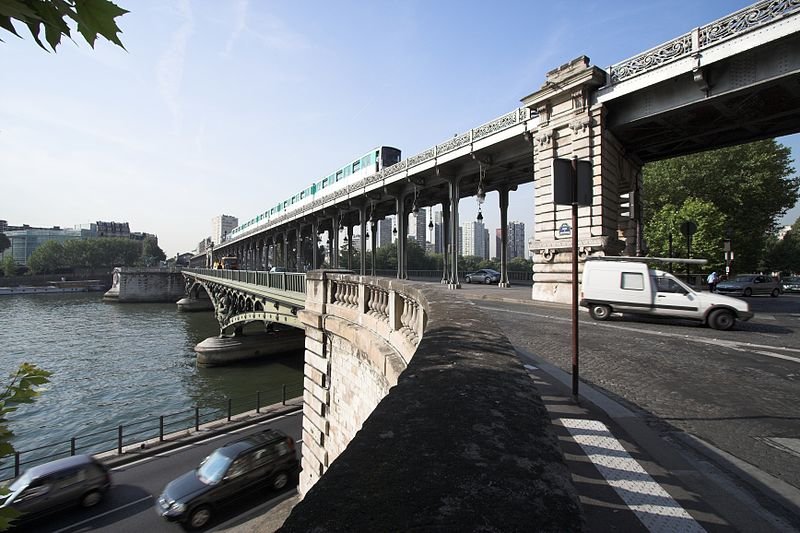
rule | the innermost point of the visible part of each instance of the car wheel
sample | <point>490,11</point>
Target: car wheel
<point>91,498</point>
<point>468,279</point>
<point>721,319</point>
<point>600,311</point>
<point>775,293</point>
<point>747,292</point>
<point>488,280</point>
<point>280,480</point>
<point>200,516</point>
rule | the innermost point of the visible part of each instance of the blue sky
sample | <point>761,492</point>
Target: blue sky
<point>230,106</point>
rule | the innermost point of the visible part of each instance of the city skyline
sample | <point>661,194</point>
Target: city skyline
<point>229,108</point>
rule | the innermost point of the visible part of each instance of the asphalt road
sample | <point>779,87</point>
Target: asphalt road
<point>738,390</point>
<point>129,505</point>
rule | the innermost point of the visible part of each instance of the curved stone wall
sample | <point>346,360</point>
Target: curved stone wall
<point>458,440</point>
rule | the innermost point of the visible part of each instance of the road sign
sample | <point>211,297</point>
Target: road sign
<point>562,182</point>
<point>688,228</point>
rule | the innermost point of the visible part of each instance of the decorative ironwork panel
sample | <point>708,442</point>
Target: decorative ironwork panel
<point>745,20</point>
<point>655,57</point>
<point>394,169</point>
<point>454,143</point>
<point>498,124</point>
<point>422,157</point>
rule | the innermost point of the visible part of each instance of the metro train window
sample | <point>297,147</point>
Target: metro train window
<point>356,166</point>
<point>339,175</point>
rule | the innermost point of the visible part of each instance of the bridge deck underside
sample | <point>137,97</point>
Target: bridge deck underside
<point>753,97</point>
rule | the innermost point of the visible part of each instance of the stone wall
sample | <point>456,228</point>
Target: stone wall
<point>459,439</point>
<point>146,285</point>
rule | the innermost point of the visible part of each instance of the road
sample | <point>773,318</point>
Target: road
<point>129,505</point>
<point>737,390</point>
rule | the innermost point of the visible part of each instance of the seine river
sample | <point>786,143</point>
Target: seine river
<point>112,363</point>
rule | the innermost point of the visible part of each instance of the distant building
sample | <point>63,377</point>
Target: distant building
<point>25,241</point>
<point>203,245</point>
<point>221,225</point>
<point>475,239</point>
<point>516,240</point>
<point>438,233</point>
<point>418,226</point>
<point>385,227</point>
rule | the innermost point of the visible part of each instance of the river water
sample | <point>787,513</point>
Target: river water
<point>112,363</point>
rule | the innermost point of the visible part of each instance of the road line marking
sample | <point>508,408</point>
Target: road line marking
<point>653,505</point>
<point>733,345</point>
<point>778,356</point>
<point>140,500</point>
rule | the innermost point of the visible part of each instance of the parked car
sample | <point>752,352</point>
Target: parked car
<point>484,275</point>
<point>80,480</point>
<point>791,284</point>
<point>750,284</point>
<point>267,458</point>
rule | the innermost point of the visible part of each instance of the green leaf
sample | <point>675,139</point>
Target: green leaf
<point>97,17</point>
<point>5,23</point>
<point>16,9</point>
<point>54,25</point>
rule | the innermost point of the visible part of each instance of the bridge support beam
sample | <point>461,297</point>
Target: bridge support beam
<point>454,189</point>
<point>503,251</point>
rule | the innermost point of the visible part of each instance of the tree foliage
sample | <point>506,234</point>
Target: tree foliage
<point>93,253</point>
<point>9,266</point>
<point>92,17</point>
<point>741,191</point>
<point>23,387</point>
<point>783,255</point>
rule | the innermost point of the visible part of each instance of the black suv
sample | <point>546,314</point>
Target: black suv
<point>265,458</point>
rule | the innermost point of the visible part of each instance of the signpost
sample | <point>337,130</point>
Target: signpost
<point>572,185</point>
<point>688,228</point>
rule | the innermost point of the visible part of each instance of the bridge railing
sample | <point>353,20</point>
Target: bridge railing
<point>284,281</point>
<point>750,18</point>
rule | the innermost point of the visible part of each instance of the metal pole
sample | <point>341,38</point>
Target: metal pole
<point>72,446</point>
<point>258,401</point>
<point>197,419</point>
<point>284,395</point>
<point>229,409</point>
<point>161,428</point>
<point>575,372</point>
<point>16,464</point>
<point>119,440</point>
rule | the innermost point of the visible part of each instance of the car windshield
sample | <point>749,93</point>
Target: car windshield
<point>213,468</point>
<point>20,483</point>
<point>744,278</point>
<point>792,280</point>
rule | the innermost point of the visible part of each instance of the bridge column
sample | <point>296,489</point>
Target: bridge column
<point>570,126</point>
<point>362,219</point>
<point>285,250</point>
<point>445,241</point>
<point>349,247</point>
<point>455,191</point>
<point>314,247</point>
<point>503,252</point>
<point>402,222</point>
<point>300,265</point>
<point>374,238</point>
<point>334,238</point>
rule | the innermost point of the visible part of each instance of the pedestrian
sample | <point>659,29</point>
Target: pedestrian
<point>712,281</point>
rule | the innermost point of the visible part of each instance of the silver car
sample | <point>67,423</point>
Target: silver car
<point>79,480</point>
<point>750,284</point>
<point>484,275</point>
<point>791,284</point>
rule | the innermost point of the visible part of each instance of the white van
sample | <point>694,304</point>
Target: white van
<point>627,285</point>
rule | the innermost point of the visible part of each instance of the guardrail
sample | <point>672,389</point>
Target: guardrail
<point>437,274</point>
<point>284,281</point>
<point>123,435</point>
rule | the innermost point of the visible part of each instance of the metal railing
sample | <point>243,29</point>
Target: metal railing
<point>138,431</point>
<point>526,276</point>
<point>284,281</point>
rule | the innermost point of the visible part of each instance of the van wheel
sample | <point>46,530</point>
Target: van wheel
<point>91,498</point>
<point>280,480</point>
<point>599,311</point>
<point>775,293</point>
<point>488,280</point>
<point>747,292</point>
<point>200,516</point>
<point>721,319</point>
<point>468,279</point>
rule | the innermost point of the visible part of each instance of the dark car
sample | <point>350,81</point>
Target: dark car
<point>79,480</point>
<point>484,275</point>
<point>791,284</point>
<point>266,458</point>
<point>750,284</point>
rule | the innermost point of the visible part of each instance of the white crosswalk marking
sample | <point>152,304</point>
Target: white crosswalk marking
<point>655,508</point>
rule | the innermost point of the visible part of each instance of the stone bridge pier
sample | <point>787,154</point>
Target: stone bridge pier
<point>570,125</point>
